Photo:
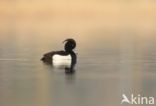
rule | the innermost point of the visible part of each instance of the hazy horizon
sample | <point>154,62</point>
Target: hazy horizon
<point>77,16</point>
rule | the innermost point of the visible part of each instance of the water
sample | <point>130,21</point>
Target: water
<point>103,73</point>
<point>115,49</point>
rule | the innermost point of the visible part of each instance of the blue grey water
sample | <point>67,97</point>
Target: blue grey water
<point>109,65</point>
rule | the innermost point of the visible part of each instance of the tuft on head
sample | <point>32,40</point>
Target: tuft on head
<point>70,44</point>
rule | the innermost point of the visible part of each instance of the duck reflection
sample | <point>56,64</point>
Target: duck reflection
<point>63,59</point>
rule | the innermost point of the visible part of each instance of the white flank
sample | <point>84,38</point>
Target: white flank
<point>61,60</point>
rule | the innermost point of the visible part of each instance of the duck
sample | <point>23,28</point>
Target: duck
<point>65,58</point>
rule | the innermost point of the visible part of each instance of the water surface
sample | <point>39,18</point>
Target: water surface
<point>103,73</point>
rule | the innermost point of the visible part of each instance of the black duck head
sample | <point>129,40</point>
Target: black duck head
<point>70,44</point>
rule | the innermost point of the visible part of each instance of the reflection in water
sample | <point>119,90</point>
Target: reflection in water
<point>63,59</point>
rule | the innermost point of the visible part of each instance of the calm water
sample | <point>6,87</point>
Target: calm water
<point>107,67</point>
